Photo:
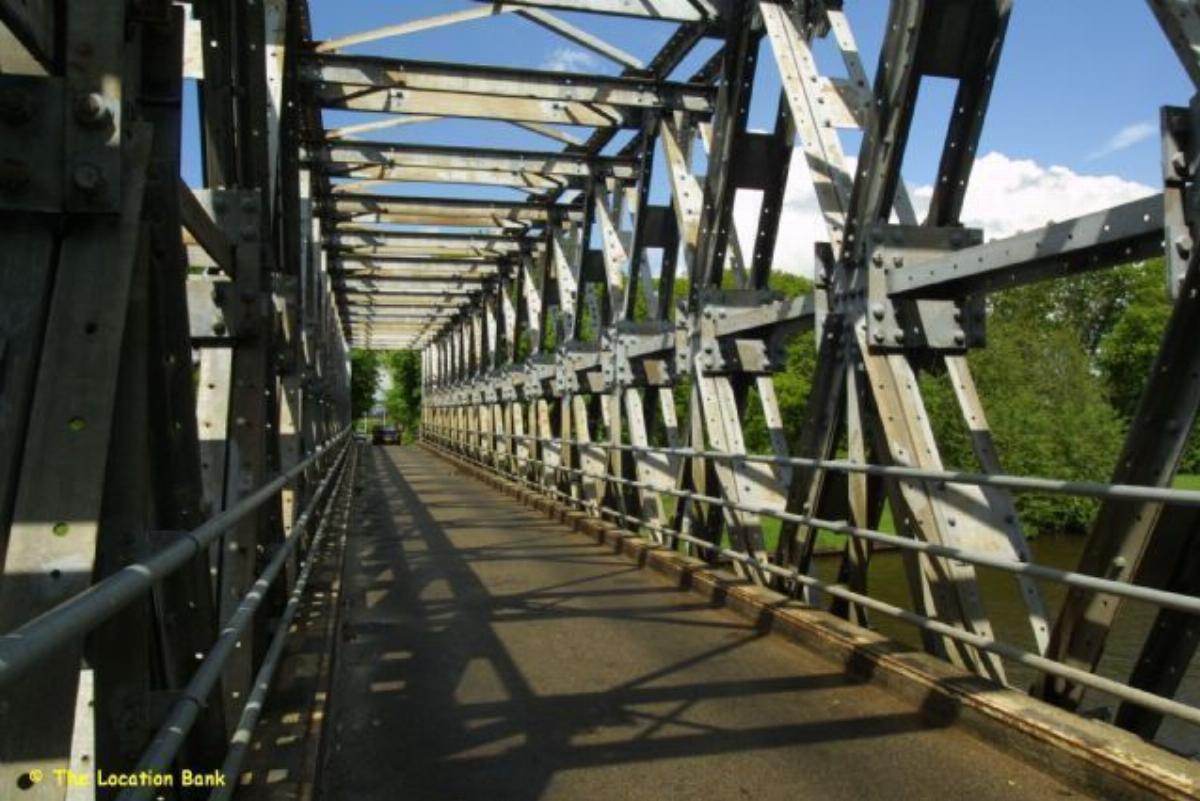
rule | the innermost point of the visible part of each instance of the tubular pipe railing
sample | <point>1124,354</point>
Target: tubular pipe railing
<point>231,768</point>
<point>182,715</point>
<point>26,646</point>
<point>1171,600</point>
<point>1184,603</point>
<point>1052,486</point>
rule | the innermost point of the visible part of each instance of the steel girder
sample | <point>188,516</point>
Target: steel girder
<point>113,447</point>
<point>574,353</point>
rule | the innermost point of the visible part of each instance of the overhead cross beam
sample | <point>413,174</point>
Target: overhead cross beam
<point>361,83</point>
<point>427,164</point>
<point>669,10</point>
<point>444,211</point>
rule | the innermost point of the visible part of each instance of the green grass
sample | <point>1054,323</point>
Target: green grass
<point>1187,481</point>
<point>826,540</point>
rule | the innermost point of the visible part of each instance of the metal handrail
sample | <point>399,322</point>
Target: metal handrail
<point>1188,604</point>
<point>182,715</point>
<point>1156,703</point>
<point>40,638</point>
<point>231,768</point>
<point>1090,489</point>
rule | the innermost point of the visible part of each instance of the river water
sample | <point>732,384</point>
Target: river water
<point>888,582</point>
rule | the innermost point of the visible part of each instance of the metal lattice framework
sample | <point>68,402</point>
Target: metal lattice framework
<point>558,354</point>
<point>174,371</point>
<point>175,381</point>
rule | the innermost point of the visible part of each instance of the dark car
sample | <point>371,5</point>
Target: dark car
<point>385,435</point>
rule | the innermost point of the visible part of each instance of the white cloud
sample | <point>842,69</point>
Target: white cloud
<point>1005,196</point>
<point>570,59</point>
<point>1128,136</point>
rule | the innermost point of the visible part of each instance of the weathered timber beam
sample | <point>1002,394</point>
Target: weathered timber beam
<point>1117,235</point>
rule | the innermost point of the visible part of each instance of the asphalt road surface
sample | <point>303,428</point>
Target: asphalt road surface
<point>488,653</point>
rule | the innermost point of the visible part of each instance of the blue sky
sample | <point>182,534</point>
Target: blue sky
<point>1079,88</point>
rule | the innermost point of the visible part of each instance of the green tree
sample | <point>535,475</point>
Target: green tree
<point>403,400</point>
<point>1047,406</point>
<point>1126,351</point>
<point>792,385</point>
<point>364,380</point>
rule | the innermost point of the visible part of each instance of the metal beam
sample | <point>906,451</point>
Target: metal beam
<point>671,10</point>
<point>576,165</point>
<point>445,211</point>
<point>582,38</point>
<point>198,221</point>
<point>456,90</point>
<point>412,26</point>
<point>1119,235</point>
<point>433,245</point>
<point>33,22</point>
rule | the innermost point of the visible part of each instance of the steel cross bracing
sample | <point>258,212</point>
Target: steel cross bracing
<point>175,359</point>
<point>175,378</point>
<point>553,345</point>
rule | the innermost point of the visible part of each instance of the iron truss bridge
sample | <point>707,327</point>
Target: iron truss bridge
<point>179,489</point>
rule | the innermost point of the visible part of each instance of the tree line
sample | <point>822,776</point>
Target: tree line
<point>402,400</point>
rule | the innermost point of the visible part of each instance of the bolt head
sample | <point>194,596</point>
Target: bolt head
<point>1183,245</point>
<point>87,178</point>
<point>1179,164</point>
<point>877,311</point>
<point>92,110</point>
<point>898,335</point>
